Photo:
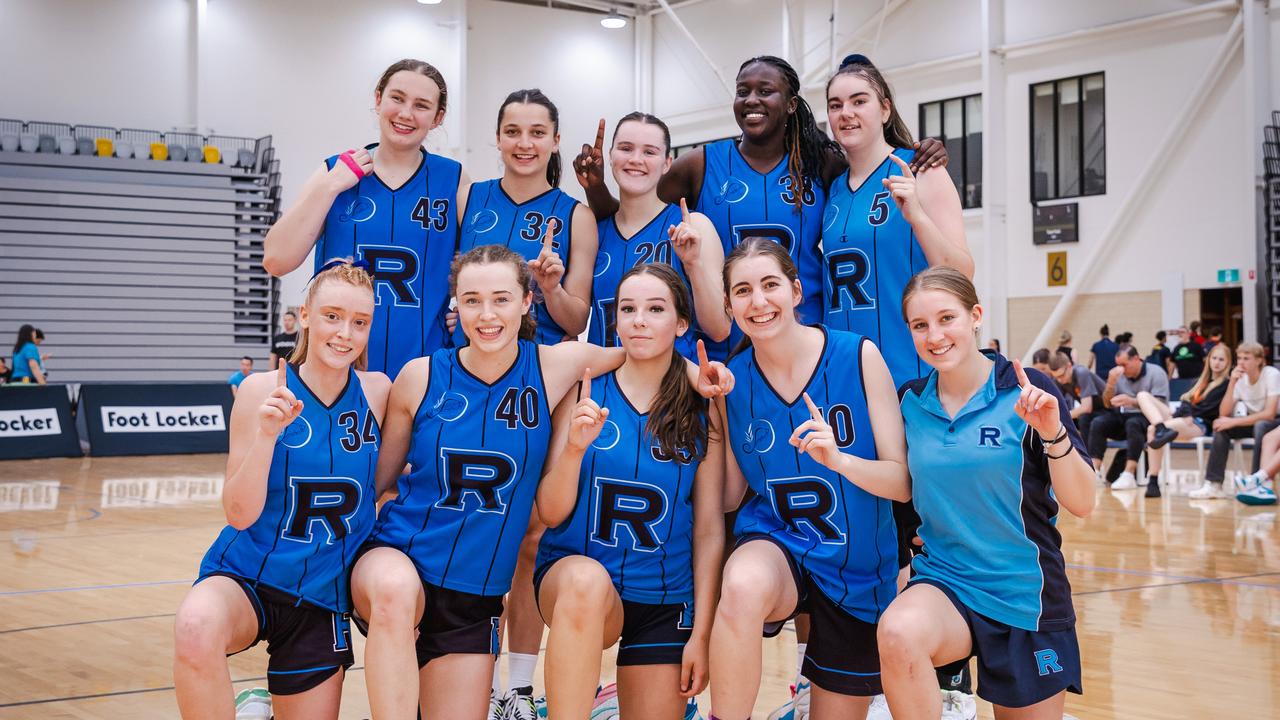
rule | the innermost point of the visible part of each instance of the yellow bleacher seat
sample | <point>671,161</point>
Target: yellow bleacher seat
<point>159,151</point>
<point>106,148</point>
<point>212,155</point>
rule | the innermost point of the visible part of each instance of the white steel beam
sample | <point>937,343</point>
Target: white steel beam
<point>1169,19</point>
<point>671,13</point>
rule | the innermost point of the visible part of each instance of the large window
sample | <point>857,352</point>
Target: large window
<point>1068,138</point>
<point>958,124</point>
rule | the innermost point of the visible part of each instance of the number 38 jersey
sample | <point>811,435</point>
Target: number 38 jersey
<point>476,455</point>
<point>408,236</point>
<point>840,535</point>
<point>634,512</point>
<point>320,502</point>
<point>493,218</point>
<point>870,252</point>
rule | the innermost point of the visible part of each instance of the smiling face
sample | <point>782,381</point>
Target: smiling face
<point>761,299</point>
<point>491,304</point>
<point>408,107</point>
<point>337,318</point>
<point>527,138</point>
<point>762,101</point>
<point>647,320</point>
<point>855,112</point>
<point>942,328</point>
<point>639,157</point>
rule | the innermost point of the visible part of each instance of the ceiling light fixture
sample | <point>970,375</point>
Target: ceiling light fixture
<point>613,21</point>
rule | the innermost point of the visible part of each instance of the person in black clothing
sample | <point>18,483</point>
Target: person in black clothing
<point>1188,355</point>
<point>1104,353</point>
<point>1160,354</point>
<point>282,344</point>
<point>1193,418</point>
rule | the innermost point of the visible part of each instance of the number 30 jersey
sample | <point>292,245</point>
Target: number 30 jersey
<point>476,454</point>
<point>408,235</point>
<point>320,502</point>
<point>870,252</point>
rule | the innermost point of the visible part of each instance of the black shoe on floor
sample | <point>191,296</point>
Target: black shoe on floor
<point>1163,436</point>
<point>1153,488</point>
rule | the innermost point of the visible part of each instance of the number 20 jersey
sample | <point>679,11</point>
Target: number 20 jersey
<point>408,236</point>
<point>476,454</point>
<point>842,536</point>
<point>320,502</point>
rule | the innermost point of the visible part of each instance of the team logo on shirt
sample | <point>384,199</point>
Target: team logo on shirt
<point>780,234</point>
<point>989,436</point>
<point>360,210</point>
<point>609,436</point>
<point>628,507</point>
<point>830,215</point>
<point>758,438</point>
<point>602,263</point>
<point>484,220</point>
<point>481,475</point>
<point>847,271</point>
<point>732,191</point>
<point>807,505</point>
<point>395,269</point>
<point>449,406</point>
<point>329,503</point>
<point>297,434</point>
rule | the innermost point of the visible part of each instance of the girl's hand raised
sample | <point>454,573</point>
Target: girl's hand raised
<point>280,407</point>
<point>588,418</point>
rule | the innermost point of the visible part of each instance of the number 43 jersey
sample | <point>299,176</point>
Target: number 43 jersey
<point>408,236</point>
<point>476,454</point>
<point>320,502</point>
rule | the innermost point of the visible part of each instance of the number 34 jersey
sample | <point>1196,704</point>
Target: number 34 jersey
<point>320,502</point>
<point>476,455</point>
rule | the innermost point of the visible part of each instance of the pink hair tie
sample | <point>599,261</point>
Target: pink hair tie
<point>351,163</point>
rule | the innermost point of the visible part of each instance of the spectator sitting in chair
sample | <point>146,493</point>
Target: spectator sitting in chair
<point>237,377</point>
<point>1081,384</point>
<point>28,361</point>
<point>1250,401</point>
<point>1194,417</point>
<point>1124,420</point>
<point>1259,488</point>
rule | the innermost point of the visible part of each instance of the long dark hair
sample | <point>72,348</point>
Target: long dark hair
<point>807,145</point>
<point>499,254</point>
<point>750,247</point>
<point>645,119</point>
<point>26,334</point>
<point>535,97</point>
<point>422,68</point>
<point>678,414</point>
<point>896,132</point>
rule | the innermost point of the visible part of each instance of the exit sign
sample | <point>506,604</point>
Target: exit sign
<point>1229,275</point>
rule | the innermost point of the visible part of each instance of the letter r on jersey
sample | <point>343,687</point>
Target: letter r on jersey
<point>481,474</point>
<point>1047,662</point>
<point>988,436</point>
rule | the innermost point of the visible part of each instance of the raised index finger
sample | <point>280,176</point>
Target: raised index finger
<point>282,375</point>
<point>600,137</point>
<point>549,236</point>
<point>684,211</point>
<point>902,165</point>
<point>1022,374</point>
<point>813,409</point>
<point>585,392</point>
<point>702,355</point>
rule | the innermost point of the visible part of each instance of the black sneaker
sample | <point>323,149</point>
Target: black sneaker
<point>1153,488</point>
<point>1163,436</point>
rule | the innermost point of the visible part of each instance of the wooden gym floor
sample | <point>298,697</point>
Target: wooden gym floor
<point>1178,601</point>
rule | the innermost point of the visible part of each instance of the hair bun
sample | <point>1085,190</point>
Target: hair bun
<point>855,59</point>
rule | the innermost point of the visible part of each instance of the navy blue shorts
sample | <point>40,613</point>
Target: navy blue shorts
<point>842,655</point>
<point>1016,667</point>
<point>652,634</point>
<point>306,644</point>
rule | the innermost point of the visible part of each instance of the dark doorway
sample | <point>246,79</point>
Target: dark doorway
<point>1223,308</point>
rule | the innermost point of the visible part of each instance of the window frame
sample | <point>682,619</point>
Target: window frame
<point>964,140</point>
<point>1057,151</point>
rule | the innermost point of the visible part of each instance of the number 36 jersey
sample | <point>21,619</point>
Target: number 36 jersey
<point>320,502</point>
<point>476,454</point>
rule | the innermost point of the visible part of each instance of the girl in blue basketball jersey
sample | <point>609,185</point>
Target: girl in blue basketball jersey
<point>393,205</point>
<point>993,454</point>
<point>526,210</point>
<point>299,500</point>
<point>882,223</point>
<point>474,424</point>
<point>815,436</point>
<point>633,502</point>
<point>770,182</point>
<point>647,229</point>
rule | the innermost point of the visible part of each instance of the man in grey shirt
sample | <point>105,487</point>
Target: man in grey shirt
<point>1124,420</point>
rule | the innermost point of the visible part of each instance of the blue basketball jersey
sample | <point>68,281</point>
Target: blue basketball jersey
<point>635,508</point>
<point>493,218</point>
<point>743,203</point>
<point>619,254</point>
<point>871,252</point>
<point>476,455</point>
<point>320,502</point>
<point>408,236</point>
<point>841,535</point>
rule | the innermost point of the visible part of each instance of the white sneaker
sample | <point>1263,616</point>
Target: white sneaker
<point>879,709</point>
<point>803,691</point>
<point>1260,493</point>
<point>1245,483</point>
<point>497,705</point>
<point>1126,481</point>
<point>961,706</point>
<point>253,704</point>
<point>1207,491</point>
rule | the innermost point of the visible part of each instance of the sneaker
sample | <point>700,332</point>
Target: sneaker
<point>606,704</point>
<point>1126,481</point>
<point>520,704</point>
<point>1262,493</point>
<point>253,704</point>
<point>785,711</point>
<point>540,703</point>
<point>691,710</point>
<point>498,705</point>
<point>1153,488</point>
<point>1245,483</point>
<point>879,709</point>
<point>791,710</point>
<point>958,706</point>
<point>802,693</point>
<point>1208,491</point>
<point>1163,436</point>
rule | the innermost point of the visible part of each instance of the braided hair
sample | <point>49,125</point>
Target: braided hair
<point>807,146</point>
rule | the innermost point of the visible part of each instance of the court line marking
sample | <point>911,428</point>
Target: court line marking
<point>11,593</point>
<point>1234,580</point>
<point>85,622</point>
<point>1231,580</point>
<point>71,698</point>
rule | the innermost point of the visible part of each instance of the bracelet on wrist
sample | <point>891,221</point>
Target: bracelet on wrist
<point>1062,435</point>
<point>1065,453</point>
